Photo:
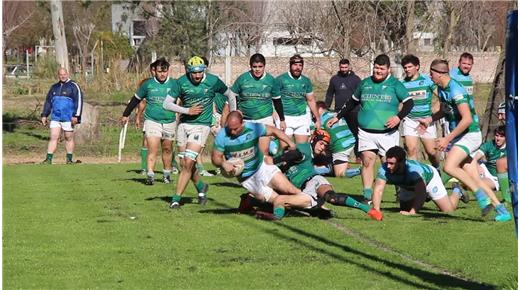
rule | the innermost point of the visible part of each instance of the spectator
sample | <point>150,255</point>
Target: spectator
<point>64,103</point>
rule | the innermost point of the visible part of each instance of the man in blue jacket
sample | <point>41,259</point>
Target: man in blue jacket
<point>64,104</point>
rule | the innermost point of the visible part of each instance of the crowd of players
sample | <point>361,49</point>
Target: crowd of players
<point>287,142</point>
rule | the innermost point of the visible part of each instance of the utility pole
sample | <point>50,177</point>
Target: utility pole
<point>58,29</point>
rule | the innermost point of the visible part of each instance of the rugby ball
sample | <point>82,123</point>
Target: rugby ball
<point>238,165</point>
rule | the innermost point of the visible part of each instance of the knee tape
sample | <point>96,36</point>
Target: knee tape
<point>191,154</point>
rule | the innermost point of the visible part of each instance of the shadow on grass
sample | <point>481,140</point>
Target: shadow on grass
<point>138,171</point>
<point>426,213</point>
<point>228,184</point>
<point>36,135</point>
<point>167,199</point>
<point>440,280</point>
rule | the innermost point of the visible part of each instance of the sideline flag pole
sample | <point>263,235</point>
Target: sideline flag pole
<point>122,137</point>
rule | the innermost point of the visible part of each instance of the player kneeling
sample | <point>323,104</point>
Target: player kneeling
<point>415,181</point>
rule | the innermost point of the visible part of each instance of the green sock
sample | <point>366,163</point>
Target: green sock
<point>199,167</point>
<point>144,157</point>
<point>69,157</point>
<point>176,198</point>
<point>199,186</point>
<point>503,182</point>
<point>350,202</point>
<point>445,177</point>
<point>174,162</point>
<point>367,193</point>
<point>49,156</point>
<point>279,212</point>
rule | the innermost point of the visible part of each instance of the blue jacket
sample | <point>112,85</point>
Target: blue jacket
<point>64,101</point>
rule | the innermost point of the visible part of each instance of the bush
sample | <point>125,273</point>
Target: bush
<point>46,67</point>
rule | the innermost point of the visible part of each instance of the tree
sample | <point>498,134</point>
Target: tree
<point>58,29</point>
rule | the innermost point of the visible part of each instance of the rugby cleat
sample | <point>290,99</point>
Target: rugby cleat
<point>206,173</point>
<point>486,210</point>
<point>375,214</point>
<point>46,161</point>
<point>464,197</point>
<point>175,205</point>
<point>150,180</point>
<point>167,179</point>
<point>202,198</point>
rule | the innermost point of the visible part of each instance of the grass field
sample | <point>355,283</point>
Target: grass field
<point>99,226</point>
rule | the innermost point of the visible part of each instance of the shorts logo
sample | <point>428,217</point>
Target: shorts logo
<point>435,189</point>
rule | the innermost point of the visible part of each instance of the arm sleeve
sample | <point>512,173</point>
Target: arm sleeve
<point>381,173</point>
<point>278,106</point>
<point>349,105</point>
<point>131,106</point>
<point>407,107</point>
<point>329,94</point>
<point>78,100</point>
<point>47,105</point>
<point>231,99</point>
<point>170,105</point>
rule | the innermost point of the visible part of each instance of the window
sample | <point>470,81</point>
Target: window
<point>139,28</point>
<point>427,41</point>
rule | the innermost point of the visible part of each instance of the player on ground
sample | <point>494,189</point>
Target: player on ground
<point>299,169</point>
<point>341,143</point>
<point>297,95</point>
<point>256,93</point>
<point>416,181</point>
<point>421,88</point>
<point>378,118</point>
<point>465,136</point>
<point>266,182</point>
<point>159,124</point>
<point>196,91</point>
<point>492,159</point>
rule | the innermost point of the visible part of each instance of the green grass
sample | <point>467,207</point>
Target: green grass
<point>99,226</point>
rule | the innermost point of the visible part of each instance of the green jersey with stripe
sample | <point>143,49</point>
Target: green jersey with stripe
<point>294,93</point>
<point>255,96</point>
<point>303,171</point>
<point>155,92</point>
<point>243,146</point>
<point>492,153</point>
<point>341,138</point>
<point>421,90</point>
<point>202,94</point>
<point>464,80</point>
<point>379,101</point>
<point>453,95</point>
<point>220,100</point>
